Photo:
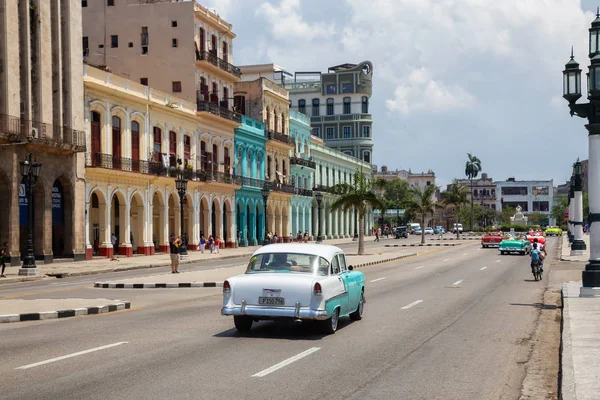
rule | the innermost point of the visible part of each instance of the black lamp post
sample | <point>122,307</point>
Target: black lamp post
<point>181,184</point>
<point>591,112</point>
<point>578,246</point>
<point>265,194</point>
<point>30,171</point>
<point>319,199</point>
<point>355,225</point>
<point>571,205</point>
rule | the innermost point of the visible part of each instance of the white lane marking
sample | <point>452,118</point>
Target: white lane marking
<point>286,362</point>
<point>464,254</point>
<point>422,266</point>
<point>37,364</point>
<point>378,279</point>
<point>498,260</point>
<point>446,259</point>
<point>481,269</point>
<point>414,303</point>
<point>457,282</point>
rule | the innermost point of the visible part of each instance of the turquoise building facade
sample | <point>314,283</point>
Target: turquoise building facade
<point>250,155</point>
<point>302,172</point>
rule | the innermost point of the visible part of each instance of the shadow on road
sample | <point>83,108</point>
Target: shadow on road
<point>541,306</point>
<point>283,330</point>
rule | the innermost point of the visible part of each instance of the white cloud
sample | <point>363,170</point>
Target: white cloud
<point>287,23</point>
<point>224,8</point>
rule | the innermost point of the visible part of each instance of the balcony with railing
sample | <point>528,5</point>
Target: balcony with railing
<point>343,117</point>
<point>253,182</point>
<point>303,162</point>
<point>108,161</point>
<point>280,137</point>
<point>321,188</point>
<point>15,129</point>
<point>281,187</point>
<point>212,58</point>
<point>303,192</point>
<point>216,108</point>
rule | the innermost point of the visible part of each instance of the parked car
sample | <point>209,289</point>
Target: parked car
<point>413,227</point>
<point>553,231</point>
<point>417,231</point>
<point>298,282</point>
<point>401,231</point>
<point>429,230</point>
<point>492,239</point>
<point>457,226</point>
<point>437,229</point>
<point>515,244</point>
<point>540,239</point>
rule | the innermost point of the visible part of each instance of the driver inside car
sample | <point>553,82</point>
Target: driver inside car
<point>279,261</point>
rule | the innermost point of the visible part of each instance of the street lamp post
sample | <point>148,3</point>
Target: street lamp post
<point>591,112</point>
<point>571,211</point>
<point>319,198</point>
<point>355,238</point>
<point>30,171</point>
<point>578,246</point>
<point>181,185</point>
<point>265,195</point>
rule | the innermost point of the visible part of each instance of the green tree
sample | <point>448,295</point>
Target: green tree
<point>422,203</point>
<point>455,196</point>
<point>358,195</point>
<point>538,218</point>
<point>558,210</point>
<point>507,212</point>
<point>472,169</point>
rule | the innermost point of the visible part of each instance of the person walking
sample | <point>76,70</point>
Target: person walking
<point>114,241</point>
<point>211,243</point>
<point>376,235</point>
<point>299,237</point>
<point>131,241</point>
<point>4,257</point>
<point>202,244</point>
<point>174,244</point>
<point>291,238</point>
<point>275,238</point>
<point>217,244</point>
<point>305,236</point>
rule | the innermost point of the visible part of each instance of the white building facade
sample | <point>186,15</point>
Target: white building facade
<point>531,196</point>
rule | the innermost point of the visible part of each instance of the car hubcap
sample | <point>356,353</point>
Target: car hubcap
<point>361,305</point>
<point>334,320</point>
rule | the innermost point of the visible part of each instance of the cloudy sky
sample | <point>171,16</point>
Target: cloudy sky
<point>450,76</point>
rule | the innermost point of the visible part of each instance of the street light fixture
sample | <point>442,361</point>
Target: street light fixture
<point>589,111</point>
<point>30,171</point>
<point>319,199</point>
<point>181,185</point>
<point>265,194</point>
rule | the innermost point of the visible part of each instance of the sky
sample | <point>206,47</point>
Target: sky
<point>450,77</point>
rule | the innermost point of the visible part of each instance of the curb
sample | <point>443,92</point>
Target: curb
<point>22,279</point>
<point>384,261</point>
<point>423,245</point>
<point>567,370</point>
<point>125,305</point>
<point>156,285</point>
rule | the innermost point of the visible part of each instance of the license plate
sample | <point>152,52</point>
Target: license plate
<point>276,301</point>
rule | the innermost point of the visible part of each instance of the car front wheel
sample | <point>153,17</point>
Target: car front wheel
<point>242,323</point>
<point>357,315</point>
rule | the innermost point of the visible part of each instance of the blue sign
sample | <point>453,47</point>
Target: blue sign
<point>58,215</point>
<point>23,204</point>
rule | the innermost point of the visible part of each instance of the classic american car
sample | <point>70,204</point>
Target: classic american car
<point>295,281</point>
<point>539,238</point>
<point>492,239</point>
<point>515,244</point>
<point>553,231</point>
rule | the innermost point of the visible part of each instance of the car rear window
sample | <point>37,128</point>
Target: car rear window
<point>287,263</point>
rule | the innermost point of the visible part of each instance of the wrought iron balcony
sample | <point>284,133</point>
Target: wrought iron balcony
<point>16,129</point>
<point>252,182</point>
<point>281,187</point>
<point>280,137</point>
<point>303,192</point>
<point>321,188</point>
<point>205,106</point>
<point>218,62</point>
<point>303,162</point>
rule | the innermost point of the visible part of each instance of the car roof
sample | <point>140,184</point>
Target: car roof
<point>323,250</point>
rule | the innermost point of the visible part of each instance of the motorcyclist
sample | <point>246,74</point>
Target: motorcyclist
<point>542,252</point>
<point>535,256</point>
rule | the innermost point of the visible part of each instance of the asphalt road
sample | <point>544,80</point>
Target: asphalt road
<point>451,324</point>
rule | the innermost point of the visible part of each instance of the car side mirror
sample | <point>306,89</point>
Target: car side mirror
<point>350,267</point>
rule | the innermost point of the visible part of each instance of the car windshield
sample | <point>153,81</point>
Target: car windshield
<point>288,263</point>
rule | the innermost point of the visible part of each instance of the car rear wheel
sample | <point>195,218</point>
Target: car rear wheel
<point>242,323</point>
<point>330,325</point>
<point>502,252</point>
<point>357,315</point>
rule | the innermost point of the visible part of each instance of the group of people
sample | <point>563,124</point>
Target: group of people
<point>175,243</point>
<point>214,244</point>
<point>538,254</point>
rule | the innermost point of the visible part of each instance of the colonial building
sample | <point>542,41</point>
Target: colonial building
<point>484,191</point>
<point>531,196</point>
<point>138,138</point>
<point>302,170</point>
<point>267,102</point>
<point>334,167</point>
<point>41,112</point>
<point>419,179</point>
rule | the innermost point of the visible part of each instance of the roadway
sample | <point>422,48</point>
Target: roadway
<point>454,323</point>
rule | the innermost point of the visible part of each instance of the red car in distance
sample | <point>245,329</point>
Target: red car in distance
<point>540,239</point>
<point>492,239</point>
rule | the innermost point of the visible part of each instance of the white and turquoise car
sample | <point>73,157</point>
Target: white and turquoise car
<point>295,281</point>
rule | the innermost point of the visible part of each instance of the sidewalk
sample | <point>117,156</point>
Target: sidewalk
<point>99,265</point>
<point>215,277</point>
<point>566,249</point>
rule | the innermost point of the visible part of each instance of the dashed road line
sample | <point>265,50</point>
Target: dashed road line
<point>422,266</point>
<point>446,259</point>
<point>498,260</point>
<point>37,364</point>
<point>464,254</point>
<point>482,268</point>
<point>378,279</point>
<point>458,282</point>
<point>414,303</point>
<point>284,363</point>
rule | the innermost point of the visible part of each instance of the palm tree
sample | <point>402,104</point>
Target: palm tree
<point>472,169</point>
<point>358,195</point>
<point>422,203</point>
<point>456,196</point>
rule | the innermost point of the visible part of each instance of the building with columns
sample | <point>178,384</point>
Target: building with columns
<point>41,112</point>
<point>250,157</point>
<point>137,139</point>
<point>302,171</point>
<point>333,167</point>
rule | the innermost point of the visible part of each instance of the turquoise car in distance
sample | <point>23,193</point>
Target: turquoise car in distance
<point>515,244</point>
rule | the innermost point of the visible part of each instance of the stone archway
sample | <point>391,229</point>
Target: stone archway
<point>259,210</point>
<point>4,205</point>
<point>174,215</point>
<point>216,220</point>
<point>226,221</point>
<point>241,222</point>
<point>63,242</point>
<point>285,221</point>
<point>159,220</point>
<point>99,233</point>
<point>119,223</point>
<point>188,222</point>
<point>205,226</point>
<point>137,225</point>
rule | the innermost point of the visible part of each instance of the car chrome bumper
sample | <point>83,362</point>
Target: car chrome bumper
<point>275,312</point>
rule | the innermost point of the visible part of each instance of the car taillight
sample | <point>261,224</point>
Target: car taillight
<point>317,289</point>
<point>226,287</point>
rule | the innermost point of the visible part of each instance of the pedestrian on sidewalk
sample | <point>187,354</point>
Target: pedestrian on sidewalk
<point>174,250</point>
<point>114,241</point>
<point>202,244</point>
<point>299,237</point>
<point>275,238</point>
<point>305,236</point>
<point>211,243</point>
<point>217,244</point>
<point>131,241</point>
<point>4,257</point>
<point>376,236</point>
<point>291,238</point>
